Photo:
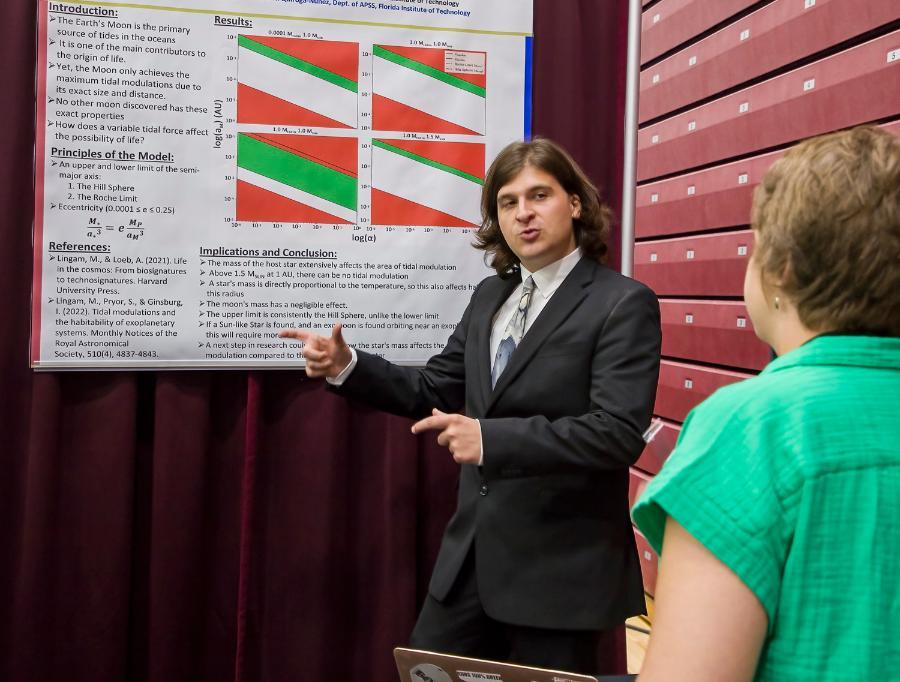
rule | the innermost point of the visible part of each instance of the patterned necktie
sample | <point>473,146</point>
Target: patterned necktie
<point>515,330</point>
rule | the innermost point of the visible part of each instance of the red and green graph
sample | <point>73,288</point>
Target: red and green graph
<point>296,82</point>
<point>430,184</point>
<point>296,179</point>
<point>429,90</point>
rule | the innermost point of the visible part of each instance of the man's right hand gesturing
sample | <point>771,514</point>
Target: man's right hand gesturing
<point>326,356</point>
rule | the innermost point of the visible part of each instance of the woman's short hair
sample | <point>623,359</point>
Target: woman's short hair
<point>591,227</point>
<point>827,224</point>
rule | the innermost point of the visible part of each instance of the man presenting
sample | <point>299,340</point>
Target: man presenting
<point>541,394</point>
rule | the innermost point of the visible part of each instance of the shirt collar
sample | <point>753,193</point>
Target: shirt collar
<point>548,279</point>
<point>842,350</point>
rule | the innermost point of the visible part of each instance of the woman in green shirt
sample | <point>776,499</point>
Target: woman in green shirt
<point>778,513</point>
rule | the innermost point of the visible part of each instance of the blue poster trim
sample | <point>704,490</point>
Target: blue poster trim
<point>529,40</point>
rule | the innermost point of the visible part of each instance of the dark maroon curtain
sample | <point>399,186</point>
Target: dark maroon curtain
<point>247,526</point>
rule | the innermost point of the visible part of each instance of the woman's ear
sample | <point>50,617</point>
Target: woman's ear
<point>776,282</point>
<point>772,282</point>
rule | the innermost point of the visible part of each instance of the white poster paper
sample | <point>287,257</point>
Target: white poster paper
<point>212,173</point>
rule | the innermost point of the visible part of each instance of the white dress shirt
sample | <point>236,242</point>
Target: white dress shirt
<point>546,281</point>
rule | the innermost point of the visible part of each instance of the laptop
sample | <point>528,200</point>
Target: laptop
<point>427,666</point>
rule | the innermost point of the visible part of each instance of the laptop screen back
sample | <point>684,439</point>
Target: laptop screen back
<point>426,666</point>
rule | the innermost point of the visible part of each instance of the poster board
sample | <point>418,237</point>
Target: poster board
<point>210,173</point>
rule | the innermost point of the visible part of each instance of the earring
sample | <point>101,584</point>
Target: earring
<point>777,303</point>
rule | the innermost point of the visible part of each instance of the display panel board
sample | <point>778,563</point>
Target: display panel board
<point>210,173</point>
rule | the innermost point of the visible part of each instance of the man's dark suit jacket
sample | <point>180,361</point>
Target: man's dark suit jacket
<point>548,511</point>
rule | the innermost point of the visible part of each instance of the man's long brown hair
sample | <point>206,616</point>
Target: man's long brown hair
<point>591,227</point>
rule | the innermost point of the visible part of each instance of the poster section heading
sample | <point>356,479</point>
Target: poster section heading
<point>503,16</point>
<point>207,178</point>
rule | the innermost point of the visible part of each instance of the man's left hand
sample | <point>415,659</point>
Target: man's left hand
<point>461,435</point>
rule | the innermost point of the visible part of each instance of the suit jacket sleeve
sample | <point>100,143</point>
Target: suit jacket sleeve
<point>624,372</point>
<point>411,391</point>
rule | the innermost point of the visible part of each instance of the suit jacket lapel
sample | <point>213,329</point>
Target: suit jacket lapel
<point>484,320</point>
<point>568,297</point>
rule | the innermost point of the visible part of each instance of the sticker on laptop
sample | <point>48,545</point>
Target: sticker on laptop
<point>427,672</point>
<point>469,676</point>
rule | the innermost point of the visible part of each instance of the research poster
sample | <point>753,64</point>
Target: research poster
<point>209,172</point>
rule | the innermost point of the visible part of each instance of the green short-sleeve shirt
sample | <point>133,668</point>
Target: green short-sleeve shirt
<point>792,479</point>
